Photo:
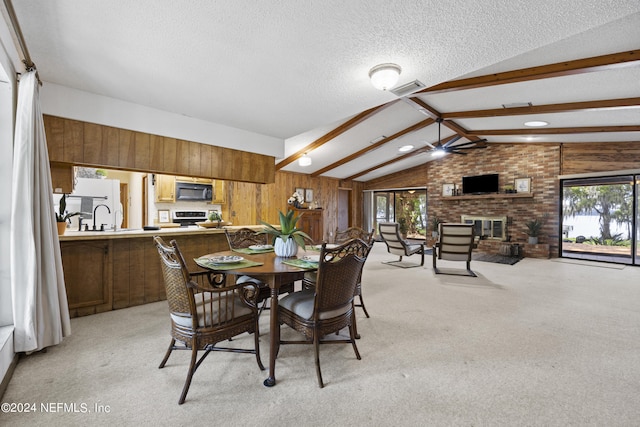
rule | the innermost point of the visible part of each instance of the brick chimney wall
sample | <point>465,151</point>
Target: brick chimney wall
<point>541,163</point>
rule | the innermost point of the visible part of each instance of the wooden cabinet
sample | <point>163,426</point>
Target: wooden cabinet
<point>87,274</point>
<point>193,179</point>
<point>165,189</point>
<point>62,178</point>
<point>112,273</point>
<point>219,193</point>
<point>311,223</point>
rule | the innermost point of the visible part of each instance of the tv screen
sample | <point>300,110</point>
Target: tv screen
<point>480,184</point>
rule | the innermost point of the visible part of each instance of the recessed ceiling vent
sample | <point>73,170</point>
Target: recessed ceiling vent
<point>408,88</point>
<point>517,105</point>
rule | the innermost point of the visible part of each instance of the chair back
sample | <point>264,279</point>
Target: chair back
<point>339,271</point>
<point>390,234</point>
<point>194,305</point>
<point>176,276</point>
<point>343,236</point>
<point>244,237</point>
<point>456,241</point>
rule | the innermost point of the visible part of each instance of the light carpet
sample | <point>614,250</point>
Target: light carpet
<point>540,343</point>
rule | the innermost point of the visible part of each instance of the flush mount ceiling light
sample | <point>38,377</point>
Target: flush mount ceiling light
<point>405,148</point>
<point>536,124</point>
<point>385,76</point>
<point>304,160</point>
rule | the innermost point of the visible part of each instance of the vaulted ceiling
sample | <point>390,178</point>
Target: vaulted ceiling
<point>298,71</point>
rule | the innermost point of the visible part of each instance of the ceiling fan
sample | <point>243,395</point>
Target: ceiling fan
<point>440,149</point>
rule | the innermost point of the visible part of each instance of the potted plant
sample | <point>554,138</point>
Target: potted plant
<point>62,216</point>
<point>403,227</point>
<point>534,227</point>
<point>435,225</point>
<point>101,173</point>
<point>214,216</point>
<point>286,239</point>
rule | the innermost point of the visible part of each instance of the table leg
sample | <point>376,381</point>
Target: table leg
<point>274,336</point>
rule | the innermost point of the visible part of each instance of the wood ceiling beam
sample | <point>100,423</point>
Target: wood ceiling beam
<point>354,121</point>
<point>566,68</point>
<point>359,153</point>
<point>556,131</point>
<point>397,159</point>
<point>432,112</point>
<point>606,104</point>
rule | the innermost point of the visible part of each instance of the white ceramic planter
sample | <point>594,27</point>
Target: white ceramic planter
<point>285,249</point>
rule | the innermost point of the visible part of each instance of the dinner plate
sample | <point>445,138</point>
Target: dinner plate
<point>229,259</point>
<point>260,247</point>
<point>312,258</point>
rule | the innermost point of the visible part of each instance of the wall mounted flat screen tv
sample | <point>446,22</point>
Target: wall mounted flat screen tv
<point>480,184</point>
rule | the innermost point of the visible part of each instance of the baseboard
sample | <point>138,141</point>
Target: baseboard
<point>8,358</point>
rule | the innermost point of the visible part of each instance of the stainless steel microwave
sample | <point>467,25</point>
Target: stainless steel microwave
<point>192,192</point>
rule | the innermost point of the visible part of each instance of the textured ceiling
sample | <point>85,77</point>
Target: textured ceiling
<point>292,69</point>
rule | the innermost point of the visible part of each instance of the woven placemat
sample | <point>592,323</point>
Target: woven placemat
<point>206,263</point>
<point>300,263</point>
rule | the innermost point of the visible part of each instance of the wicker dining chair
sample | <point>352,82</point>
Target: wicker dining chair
<point>342,236</point>
<point>204,314</point>
<point>328,307</point>
<point>242,239</point>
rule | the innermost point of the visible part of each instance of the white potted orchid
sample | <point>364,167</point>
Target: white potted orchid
<point>295,200</point>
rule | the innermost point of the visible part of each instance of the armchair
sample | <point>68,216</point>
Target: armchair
<point>455,244</point>
<point>390,233</point>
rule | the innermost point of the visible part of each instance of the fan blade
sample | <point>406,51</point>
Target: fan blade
<point>452,141</point>
<point>458,152</point>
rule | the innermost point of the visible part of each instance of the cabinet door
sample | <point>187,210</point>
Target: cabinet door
<point>193,179</point>
<point>219,194</point>
<point>87,276</point>
<point>62,178</point>
<point>165,188</point>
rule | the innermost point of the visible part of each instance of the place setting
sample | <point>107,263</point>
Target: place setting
<point>255,249</point>
<point>225,262</point>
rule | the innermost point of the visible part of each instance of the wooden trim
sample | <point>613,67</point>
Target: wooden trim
<point>359,153</point>
<point>566,68</point>
<point>607,104</point>
<point>354,121</point>
<point>557,131</point>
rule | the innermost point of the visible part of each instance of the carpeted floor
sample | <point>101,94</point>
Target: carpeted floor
<point>539,343</point>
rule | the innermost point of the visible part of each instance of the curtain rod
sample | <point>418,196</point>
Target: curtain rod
<point>17,33</point>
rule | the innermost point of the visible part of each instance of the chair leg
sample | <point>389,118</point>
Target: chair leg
<point>422,260</point>
<point>353,320</point>
<point>353,341</point>
<point>256,343</point>
<point>192,369</point>
<point>168,353</point>
<point>316,345</point>
<point>363,307</point>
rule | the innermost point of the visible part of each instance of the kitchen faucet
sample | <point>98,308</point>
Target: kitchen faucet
<point>94,216</point>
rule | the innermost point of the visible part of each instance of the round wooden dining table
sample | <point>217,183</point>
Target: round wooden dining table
<point>274,273</point>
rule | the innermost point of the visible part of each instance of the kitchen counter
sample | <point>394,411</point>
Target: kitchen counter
<point>110,270</point>
<point>134,233</point>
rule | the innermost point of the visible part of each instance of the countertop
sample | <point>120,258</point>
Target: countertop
<point>136,233</point>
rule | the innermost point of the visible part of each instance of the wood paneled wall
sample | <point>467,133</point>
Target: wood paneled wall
<point>600,157</point>
<point>252,203</point>
<point>78,143</point>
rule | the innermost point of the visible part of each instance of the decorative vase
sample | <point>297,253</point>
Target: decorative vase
<point>285,249</point>
<point>62,227</point>
<point>533,240</point>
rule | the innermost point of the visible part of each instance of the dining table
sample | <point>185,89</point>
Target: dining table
<point>272,270</point>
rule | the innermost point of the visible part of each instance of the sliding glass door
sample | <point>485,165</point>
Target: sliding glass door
<point>408,207</point>
<point>600,219</point>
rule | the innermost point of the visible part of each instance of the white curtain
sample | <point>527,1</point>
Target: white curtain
<point>40,312</point>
